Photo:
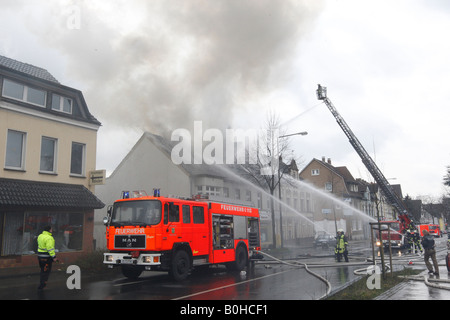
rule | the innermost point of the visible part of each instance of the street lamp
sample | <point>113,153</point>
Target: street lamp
<point>303,133</point>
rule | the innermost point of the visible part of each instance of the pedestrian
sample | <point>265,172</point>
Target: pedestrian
<point>46,255</point>
<point>341,246</point>
<point>430,252</point>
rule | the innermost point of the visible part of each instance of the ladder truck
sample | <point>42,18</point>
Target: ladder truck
<point>405,217</point>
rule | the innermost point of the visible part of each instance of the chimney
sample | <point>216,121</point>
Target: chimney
<point>329,160</point>
<point>323,158</point>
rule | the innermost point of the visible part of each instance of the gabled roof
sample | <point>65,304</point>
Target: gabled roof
<point>28,73</point>
<point>22,193</point>
<point>27,69</point>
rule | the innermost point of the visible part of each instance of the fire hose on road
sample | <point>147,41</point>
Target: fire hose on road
<point>302,265</point>
<point>435,283</point>
<point>298,264</point>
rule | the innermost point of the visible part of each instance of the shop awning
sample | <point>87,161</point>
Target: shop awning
<point>40,195</point>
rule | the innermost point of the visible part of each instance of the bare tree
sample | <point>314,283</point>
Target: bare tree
<point>268,169</point>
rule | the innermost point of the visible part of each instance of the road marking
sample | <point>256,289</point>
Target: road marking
<point>232,285</point>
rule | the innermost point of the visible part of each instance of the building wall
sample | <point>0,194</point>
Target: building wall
<point>147,166</point>
<point>144,168</point>
<point>20,225</point>
<point>36,128</point>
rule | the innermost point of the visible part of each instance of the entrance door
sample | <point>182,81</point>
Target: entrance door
<point>200,233</point>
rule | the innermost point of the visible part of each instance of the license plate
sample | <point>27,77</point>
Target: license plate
<point>126,261</point>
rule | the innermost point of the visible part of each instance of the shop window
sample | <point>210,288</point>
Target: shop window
<point>67,230</point>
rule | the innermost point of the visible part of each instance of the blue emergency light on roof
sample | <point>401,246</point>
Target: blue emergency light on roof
<point>156,192</point>
<point>125,194</point>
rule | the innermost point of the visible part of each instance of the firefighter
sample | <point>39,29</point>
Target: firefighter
<point>46,255</point>
<point>409,240</point>
<point>416,239</point>
<point>341,246</point>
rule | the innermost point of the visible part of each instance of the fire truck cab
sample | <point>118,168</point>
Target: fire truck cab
<point>160,233</point>
<point>396,235</point>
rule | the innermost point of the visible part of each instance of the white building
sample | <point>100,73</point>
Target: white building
<point>148,165</point>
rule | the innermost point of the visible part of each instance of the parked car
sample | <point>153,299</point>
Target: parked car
<point>325,241</point>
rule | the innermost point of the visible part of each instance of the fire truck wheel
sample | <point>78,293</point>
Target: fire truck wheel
<point>180,265</point>
<point>131,272</point>
<point>241,259</point>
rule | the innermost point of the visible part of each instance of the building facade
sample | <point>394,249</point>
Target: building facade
<point>48,142</point>
<point>350,202</point>
<point>148,165</point>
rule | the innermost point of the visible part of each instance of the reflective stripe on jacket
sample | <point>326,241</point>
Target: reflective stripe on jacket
<point>46,244</point>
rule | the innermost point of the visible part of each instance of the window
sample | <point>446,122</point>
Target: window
<point>186,214</point>
<point>259,195</point>
<point>67,230</point>
<point>48,155</point>
<point>62,104</point>
<point>315,172</point>
<point>22,229</point>
<point>248,195</point>
<point>212,191</point>
<point>174,212</point>
<point>237,194</point>
<point>13,90</point>
<point>15,150</point>
<point>77,159</point>
<point>198,215</point>
<point>22,92</point>
<point>329,186</point>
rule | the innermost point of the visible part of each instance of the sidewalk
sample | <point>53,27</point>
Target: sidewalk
<point>419,289</point>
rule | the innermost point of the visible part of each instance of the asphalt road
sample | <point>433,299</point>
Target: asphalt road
<point>264,281</point>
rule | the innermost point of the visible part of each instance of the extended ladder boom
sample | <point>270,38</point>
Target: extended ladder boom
<point>376,173</point>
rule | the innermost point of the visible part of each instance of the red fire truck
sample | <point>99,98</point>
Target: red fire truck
<point>433,229</point>
<point>396,235</point>
<point>159,233</point>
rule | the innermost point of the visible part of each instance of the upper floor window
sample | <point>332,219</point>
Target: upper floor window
<point>315,172</point>
<point>48,155</point>
<point>15,150</point>
<point>60,103</point>
<point>77,160</point>
<point>24,93</point>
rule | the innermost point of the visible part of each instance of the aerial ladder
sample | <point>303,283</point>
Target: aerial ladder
<point>406,220</point>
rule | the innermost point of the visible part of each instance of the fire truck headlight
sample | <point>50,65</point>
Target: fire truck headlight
<point>109,258</point>
<point>378,243</point>
<point>147,259</point>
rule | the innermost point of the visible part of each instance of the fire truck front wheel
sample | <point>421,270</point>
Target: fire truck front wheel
<point>181,265</point>
<point>131,272</point>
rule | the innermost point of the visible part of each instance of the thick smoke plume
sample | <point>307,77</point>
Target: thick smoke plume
<point>162,64</point>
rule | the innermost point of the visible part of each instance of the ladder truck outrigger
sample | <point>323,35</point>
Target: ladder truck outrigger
<point>405,218</point>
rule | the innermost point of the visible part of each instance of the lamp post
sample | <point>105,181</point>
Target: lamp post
<point>303,133</point>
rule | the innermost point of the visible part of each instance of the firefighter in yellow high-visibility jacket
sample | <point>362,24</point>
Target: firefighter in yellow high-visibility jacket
<point>341,246</point>
<point>46,255</point>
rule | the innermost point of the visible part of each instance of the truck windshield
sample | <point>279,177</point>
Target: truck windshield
<point>139,212</point>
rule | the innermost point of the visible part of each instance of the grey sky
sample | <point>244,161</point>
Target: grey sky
<point>162,64</point>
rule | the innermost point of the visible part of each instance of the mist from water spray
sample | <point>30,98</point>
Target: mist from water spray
<point>330,196</point>
<point>291,209</point>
